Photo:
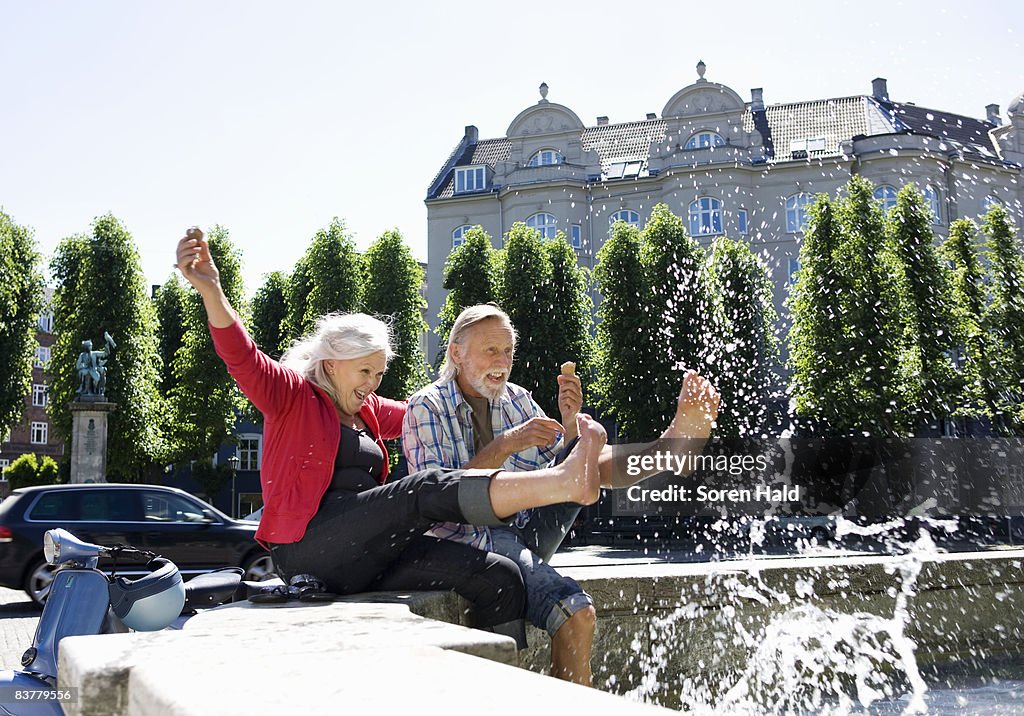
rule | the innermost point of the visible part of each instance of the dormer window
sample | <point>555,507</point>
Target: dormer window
<point>546,157</point>
<point>469,179</point>
<point>703,140</point>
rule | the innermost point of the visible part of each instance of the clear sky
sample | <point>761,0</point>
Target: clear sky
<point>271,117</point>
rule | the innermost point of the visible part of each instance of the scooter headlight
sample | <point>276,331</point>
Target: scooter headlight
<point>51,547</point>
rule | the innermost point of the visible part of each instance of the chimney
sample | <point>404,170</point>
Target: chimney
<point>880,89</point>
<point>757,99</point>
<point>992,114</point>
<point>602,121</point>
<point>652,115</point>
<point>472,134</point>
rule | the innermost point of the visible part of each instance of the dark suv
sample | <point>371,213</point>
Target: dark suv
<point>170,522</point>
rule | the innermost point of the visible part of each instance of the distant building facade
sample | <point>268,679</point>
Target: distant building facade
<point>743,169</point>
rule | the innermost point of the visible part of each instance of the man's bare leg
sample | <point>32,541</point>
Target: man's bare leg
<point>571,647</point>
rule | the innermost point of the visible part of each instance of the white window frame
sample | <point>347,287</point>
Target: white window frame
<point>459,235</point>
<point>628,215</point>
<point>704,139</point>
<point>243,464</point>
<point>42,357</point>
<point>885,195</point>
<point>39,432</point>
<point>576,236</point>
<point>988,202</point>
<point>796,212</point>
<point>470,179</point>
<point>546,157</point>
<point>705,216</point>
<point>4,463</point>
<point>38,395</point>
<point>546,224</point>
<point>931,196</point>
<point>742,225</point>
<point>45,322</point>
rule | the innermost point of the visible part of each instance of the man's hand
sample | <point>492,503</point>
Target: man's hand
<point>535,432</point>
<point>570,400</point>
<point>696,409</point>
<point>195,261</point>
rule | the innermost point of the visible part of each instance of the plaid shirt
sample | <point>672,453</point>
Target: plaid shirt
<point>438,432</point>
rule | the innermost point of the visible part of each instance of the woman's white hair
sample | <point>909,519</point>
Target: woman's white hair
<point>466,320</point>
<point>338,336</point>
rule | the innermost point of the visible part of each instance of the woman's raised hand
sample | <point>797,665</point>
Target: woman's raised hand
<point>195,262</point>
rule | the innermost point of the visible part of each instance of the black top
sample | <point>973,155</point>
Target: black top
<point>359,461</point>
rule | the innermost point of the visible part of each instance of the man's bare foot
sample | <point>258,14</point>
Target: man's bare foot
<point>581,466</point>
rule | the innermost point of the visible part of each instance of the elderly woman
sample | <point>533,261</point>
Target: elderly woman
<point>326,509</point>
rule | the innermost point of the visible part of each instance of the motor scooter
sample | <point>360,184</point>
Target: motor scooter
<point>85,600</point>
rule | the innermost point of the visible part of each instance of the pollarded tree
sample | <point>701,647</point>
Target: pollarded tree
<point>624,348</point>
<point>1004,317</point>
<point>393,283</point>
<point>170,314</point>
<point>99,286</point>
<point>269,310</point>
<point>204,400</point>
<point>470,278</point>
<point>741,289</point>
<point>679,313</point>
<point>924,283</point>
<point>327,279</point>
<point>21,299</point>
<point>974,393</point>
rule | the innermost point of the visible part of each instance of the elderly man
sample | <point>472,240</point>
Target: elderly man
<point>472,417</point>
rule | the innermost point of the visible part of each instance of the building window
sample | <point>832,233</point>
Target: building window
<point>38,395</point>
<point>546,157</point>
<point>4,463</point>
<point>796,212</point>
<point>45,322</point>
<point>741,220</point>
<point>794,266</point>
<point>545,224</point>
<point>931,196</point>
<point>470,179</point>
<point>576,236</point>
<point>249,451</point>
<point>630,217</point>
<point>705,217</point>
<point>988,202</point>
<point>886,195</point>
<point>40,431</point>
<point>459,235</point>
<point>42,357</point>
<point>703,140</point>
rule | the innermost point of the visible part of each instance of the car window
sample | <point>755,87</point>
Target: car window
<point>58,505</point>
<point>109,506</point>
<point>168,507</point>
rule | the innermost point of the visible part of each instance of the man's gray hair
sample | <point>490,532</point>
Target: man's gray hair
<point>466,320</point>
<point>338,336</point>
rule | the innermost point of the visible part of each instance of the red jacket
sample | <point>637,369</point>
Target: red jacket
<point>301,432</point>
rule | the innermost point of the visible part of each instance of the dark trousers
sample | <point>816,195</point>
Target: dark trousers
<point>360,541</point>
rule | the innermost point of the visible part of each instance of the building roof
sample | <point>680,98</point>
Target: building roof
<point>790,131</point>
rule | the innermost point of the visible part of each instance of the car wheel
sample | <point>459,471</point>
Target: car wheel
<point>38,580</point>
<point>820,535</point>
<point>258,568</point>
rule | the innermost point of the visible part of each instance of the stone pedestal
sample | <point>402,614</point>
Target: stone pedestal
<point>89,440</point>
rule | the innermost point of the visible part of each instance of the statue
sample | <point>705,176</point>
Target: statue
<point>92,368</point>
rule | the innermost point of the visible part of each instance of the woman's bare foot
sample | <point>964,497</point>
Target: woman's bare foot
<point>580,467</point>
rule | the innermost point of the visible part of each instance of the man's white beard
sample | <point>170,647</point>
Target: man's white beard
<point>485,389</point>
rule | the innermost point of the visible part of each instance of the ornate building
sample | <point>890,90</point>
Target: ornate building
<point>745,169</point>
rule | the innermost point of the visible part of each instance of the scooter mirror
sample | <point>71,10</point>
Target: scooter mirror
<point>60,546</point>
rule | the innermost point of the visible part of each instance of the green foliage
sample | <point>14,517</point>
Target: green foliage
<point>571,312</point>
<point>741,290</point>
<point>27,471</point>
<point>393,282</point>
<point>974,393</point>
<point>269,310</point>
<point>1004,319</point>
<point>470,277</point>
<point>21,299</point>
<point>204,400</point>
<point>99,286</point>
<point>922,285</point>
<point>211,478</point>
<point>327,279</point>
<point>170,313</point>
